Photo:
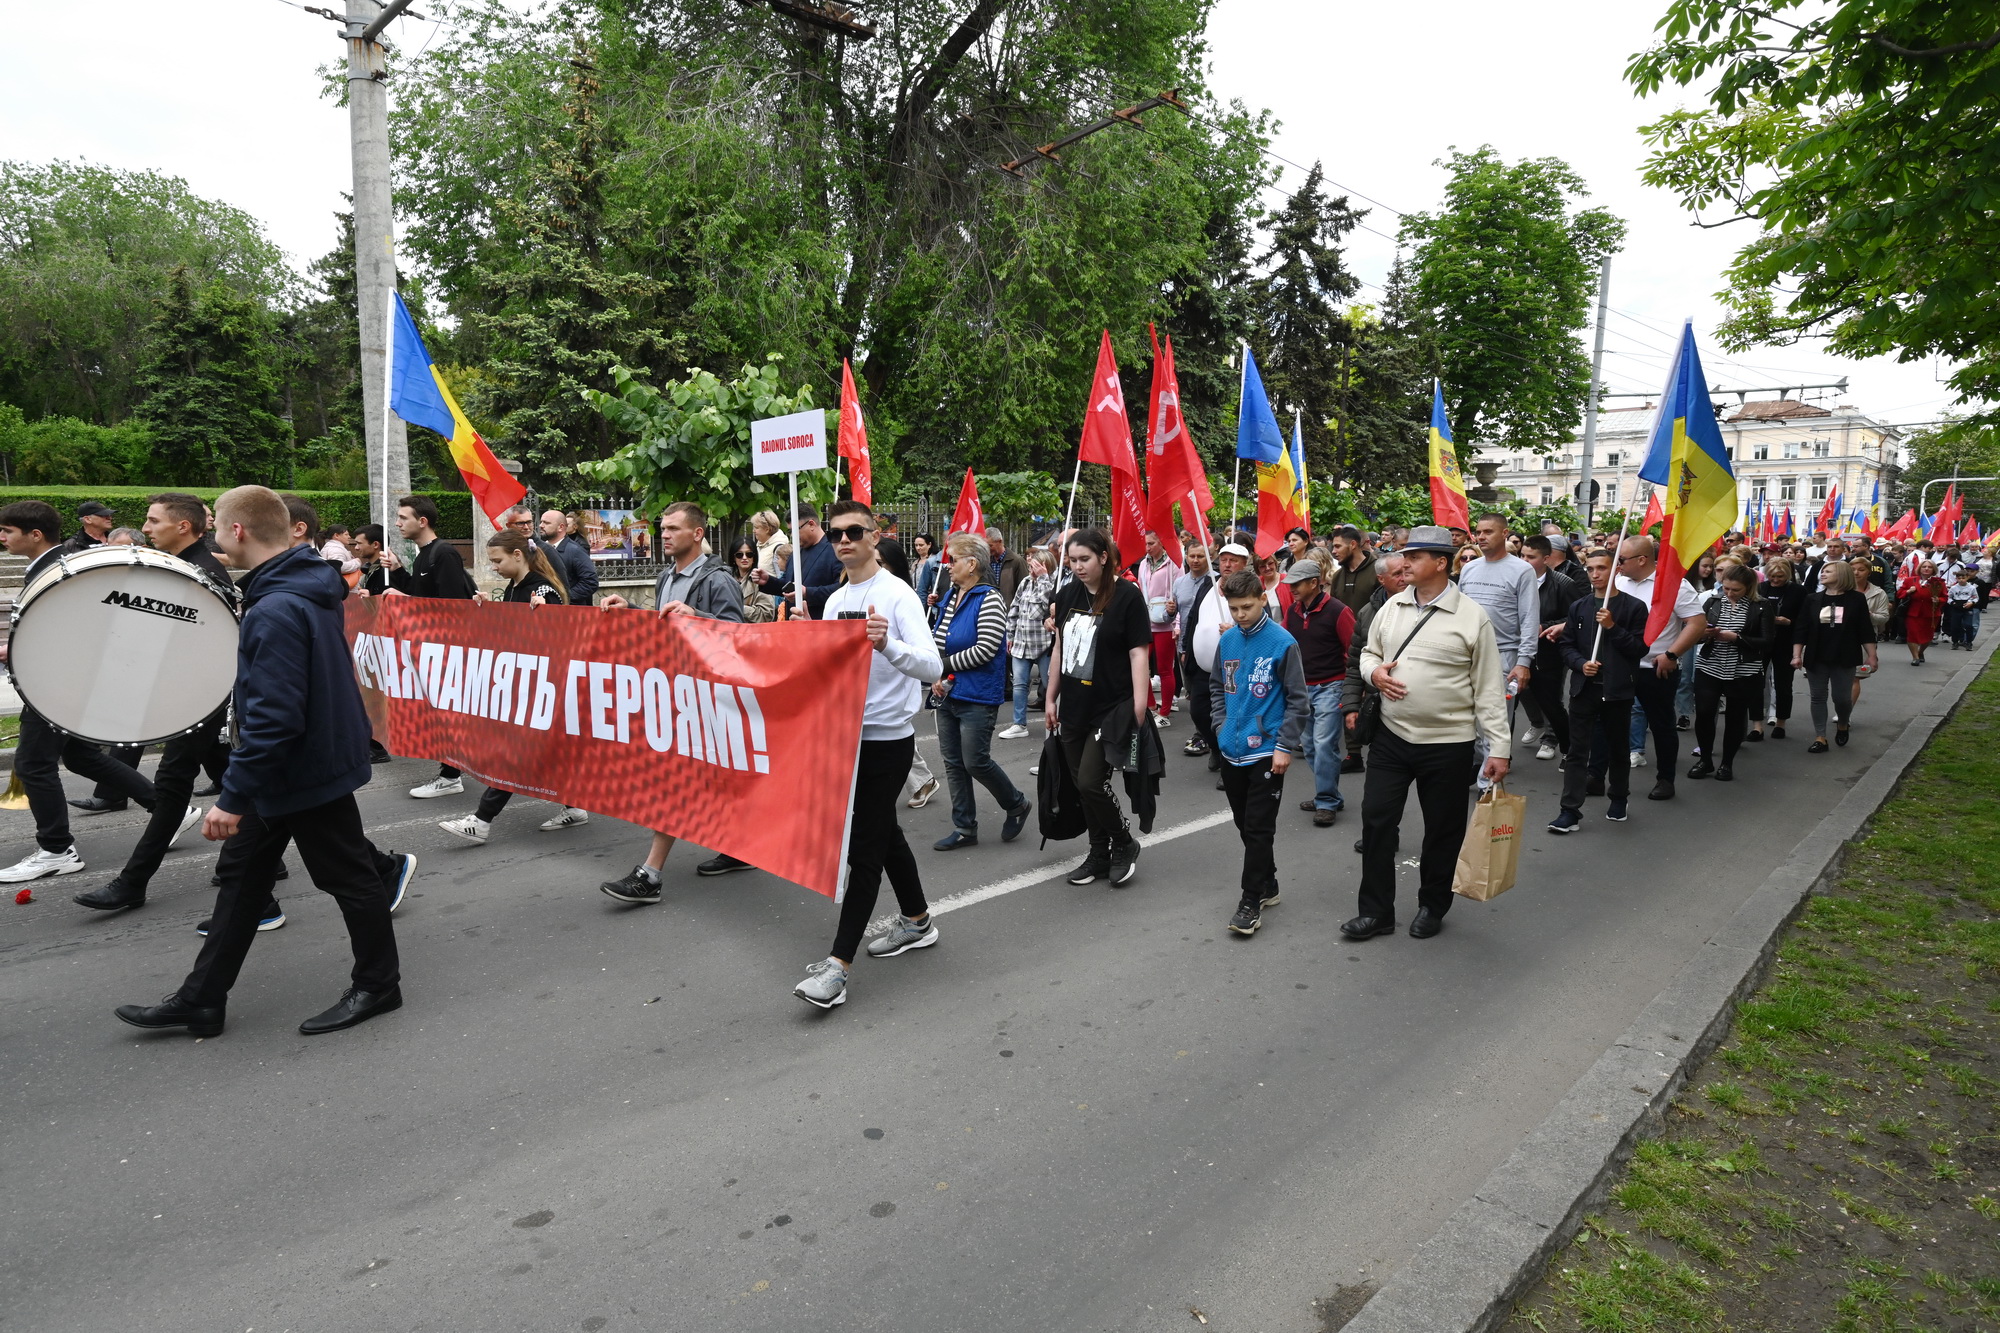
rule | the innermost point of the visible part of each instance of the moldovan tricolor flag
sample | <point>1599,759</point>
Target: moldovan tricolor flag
<point>854,438</point>
<point>1280,499</point>
<point>1688,465</point>
<point>1448,505</point>
<point>968,517</point>
<point>417,395</point>
<point>1107,439</point>
<point>1174,471</point>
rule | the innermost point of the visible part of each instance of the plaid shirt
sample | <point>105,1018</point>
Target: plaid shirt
<point>1027,629</point>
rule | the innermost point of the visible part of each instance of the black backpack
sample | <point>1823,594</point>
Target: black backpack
<point>1058,806</point>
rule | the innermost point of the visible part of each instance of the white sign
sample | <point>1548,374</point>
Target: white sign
<point>795,443</point>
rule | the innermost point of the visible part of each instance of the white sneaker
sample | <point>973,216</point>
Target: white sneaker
<point>187,822</point>
<point>1164,720</point>
<point>1638,758</point>
<point>571,817</point>
<point>922,798</point>
<point>438,787</point>
<point>40,865</point>
<point>825,984</point>
<point>471,828</point>
<point>1533,734</point>
<point>1011,733</point>
<point>1547,750</point>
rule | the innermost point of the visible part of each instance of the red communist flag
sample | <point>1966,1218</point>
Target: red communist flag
<point>854,438</point>
<point>968,517</point>
<point>1107,439</point>
<point>1654,513</point>
<point>1174,472</point>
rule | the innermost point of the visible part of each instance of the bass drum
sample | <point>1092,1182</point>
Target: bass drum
<point>123,645</point>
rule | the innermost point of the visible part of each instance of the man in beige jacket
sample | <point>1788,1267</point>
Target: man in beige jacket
<point>1431,655</point>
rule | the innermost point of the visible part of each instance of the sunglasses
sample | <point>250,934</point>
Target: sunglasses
<point>853,532</point>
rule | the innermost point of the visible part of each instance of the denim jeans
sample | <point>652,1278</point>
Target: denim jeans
<point>1023,666</point>
<point>965,739</point>
<point>1325,730</point>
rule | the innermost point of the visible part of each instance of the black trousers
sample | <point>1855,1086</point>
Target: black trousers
<point>1200,702</point>
<point>492,803</point>
<point>1545,688</point>
<point>875,844</point>
<point>1438,773</point>
<point>173,789</point>
<point>1591,717</point>
<point>1655,697</point>
<point>128,755</point>
<point>341,862</point>
<point>1091,773</point>
<point>41,755</point>
<point>1256,794</point>
<point>1735,698</point>
<point>1782,672</point>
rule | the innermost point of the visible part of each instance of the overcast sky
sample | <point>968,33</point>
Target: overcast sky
<point>228,97</point>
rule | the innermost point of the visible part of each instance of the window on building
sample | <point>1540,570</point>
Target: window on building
<point>1614,459</point>
<point>1548,462</point>
<point>1819,488</point>
<point>1761,450</point>
<point>1791,448</point>
<point>1822,448</point>
<point>1548,495</point>
<point>1788,490</point>
<point>1611,494</point>
<point>1760,489</point>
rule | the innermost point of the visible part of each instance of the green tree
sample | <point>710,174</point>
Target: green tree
<point>1861,141</point>
<point>86,255</point>
<point>794,191</point>
<point>1381,428</point>
<point>694,441</point>
<point>1953,449</point>
<point>210,386</point>
<point>1303,337</point>
<point>1506,272</point>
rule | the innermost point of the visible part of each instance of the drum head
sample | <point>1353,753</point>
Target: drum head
<point>123,646</point>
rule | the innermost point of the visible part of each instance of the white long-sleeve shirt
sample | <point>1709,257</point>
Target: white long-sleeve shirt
<point>908,659</point>
<point>1505,590</point>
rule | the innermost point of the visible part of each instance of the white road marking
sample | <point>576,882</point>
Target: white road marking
<point>1029,878</point>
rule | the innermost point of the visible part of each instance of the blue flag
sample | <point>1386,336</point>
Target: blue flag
<point>1258,438</point>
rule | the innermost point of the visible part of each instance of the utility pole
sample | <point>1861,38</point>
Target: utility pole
<point>1590,407</point>
<point>375,250</point>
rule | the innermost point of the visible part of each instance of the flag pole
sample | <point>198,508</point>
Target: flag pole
<point>1069,511</point>
<point>1242,387</point>
<point>388,385</point>
<point>1611,584</point>
<point>798,552</point>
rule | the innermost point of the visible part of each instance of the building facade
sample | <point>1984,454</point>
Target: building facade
<point>1786,453</point>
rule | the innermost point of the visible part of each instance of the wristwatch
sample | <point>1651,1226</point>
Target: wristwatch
<point>1670,653</point>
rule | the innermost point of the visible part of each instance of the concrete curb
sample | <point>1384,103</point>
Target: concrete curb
<point>1498,1244</point>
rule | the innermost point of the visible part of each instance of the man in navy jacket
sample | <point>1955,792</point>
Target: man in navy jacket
<point>1601,643</point>
<point>299,755</point>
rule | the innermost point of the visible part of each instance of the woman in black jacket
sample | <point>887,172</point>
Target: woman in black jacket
<point>1729,673</point>
<point>1833,635</point>
<point>1787,597</point>
<point>532,581</point>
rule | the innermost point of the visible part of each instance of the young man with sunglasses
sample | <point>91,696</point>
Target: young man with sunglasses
<point>904,661</point>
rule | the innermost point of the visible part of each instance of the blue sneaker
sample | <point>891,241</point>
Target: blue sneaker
<point>1566,822</point>
<point>1016,821</point>
<point>954,840</point>
<point>274,917</point>
<point>398,880</point>
<point>1615,812</point>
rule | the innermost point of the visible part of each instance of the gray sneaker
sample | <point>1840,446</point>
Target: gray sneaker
<point>825,984</point>
<point>904,936</point>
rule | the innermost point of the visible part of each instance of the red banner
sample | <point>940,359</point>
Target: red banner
<point>742,738</point>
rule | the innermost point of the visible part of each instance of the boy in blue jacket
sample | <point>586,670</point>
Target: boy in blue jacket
<point>299,754</point>
<point>1258,698</point>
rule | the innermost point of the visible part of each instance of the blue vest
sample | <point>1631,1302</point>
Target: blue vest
<point>984,684</point>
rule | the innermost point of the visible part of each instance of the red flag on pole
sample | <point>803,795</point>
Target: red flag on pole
<point>1968,536</point>
<point>1654,512</point>
<point>854,438</point>
<point>1948,511</point>
<point>1174,474</point>
<point>1830,511</point>
<point>1107,439</point>
<point>968,517</point>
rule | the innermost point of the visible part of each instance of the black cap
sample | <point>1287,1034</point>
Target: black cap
<point>95,509</point>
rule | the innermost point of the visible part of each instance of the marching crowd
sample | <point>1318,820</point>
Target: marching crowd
<point>1412,647</point>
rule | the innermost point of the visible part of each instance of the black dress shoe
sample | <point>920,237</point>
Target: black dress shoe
<point>1367,927</point>
<point>1662,791</point>
<point>112,896</point>
<point>1724,773</point>
<point>173,1012</point>
<point>1817,747</point>
<point>354,1006</point>
<point>101,805</point>
<point>1840,736</point>
<point>1702,768</point>
<point>1425,924</point>
<point>1777,733</point>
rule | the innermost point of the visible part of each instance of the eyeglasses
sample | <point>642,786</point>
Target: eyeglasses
<point>1623,558</point>
<point>853,532</point>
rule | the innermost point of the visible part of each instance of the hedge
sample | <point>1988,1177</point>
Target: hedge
<point>349,507</point>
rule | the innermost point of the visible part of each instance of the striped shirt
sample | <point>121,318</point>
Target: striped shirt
<point>992,632</point>
<point>1725,661</point>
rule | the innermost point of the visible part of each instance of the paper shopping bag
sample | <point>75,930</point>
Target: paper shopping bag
<point>1491,853</point>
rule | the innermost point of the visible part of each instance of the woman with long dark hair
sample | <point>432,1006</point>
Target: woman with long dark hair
<point>531,581</point>
<point>757,604</point>
<point>1102,645</point>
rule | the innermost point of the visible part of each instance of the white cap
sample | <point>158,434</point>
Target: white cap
<point>1234,548</point>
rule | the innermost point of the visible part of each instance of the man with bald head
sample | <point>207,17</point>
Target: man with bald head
<point>569,556</point>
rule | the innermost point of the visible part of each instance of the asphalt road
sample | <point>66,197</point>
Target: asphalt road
<point>1086,1109</point>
